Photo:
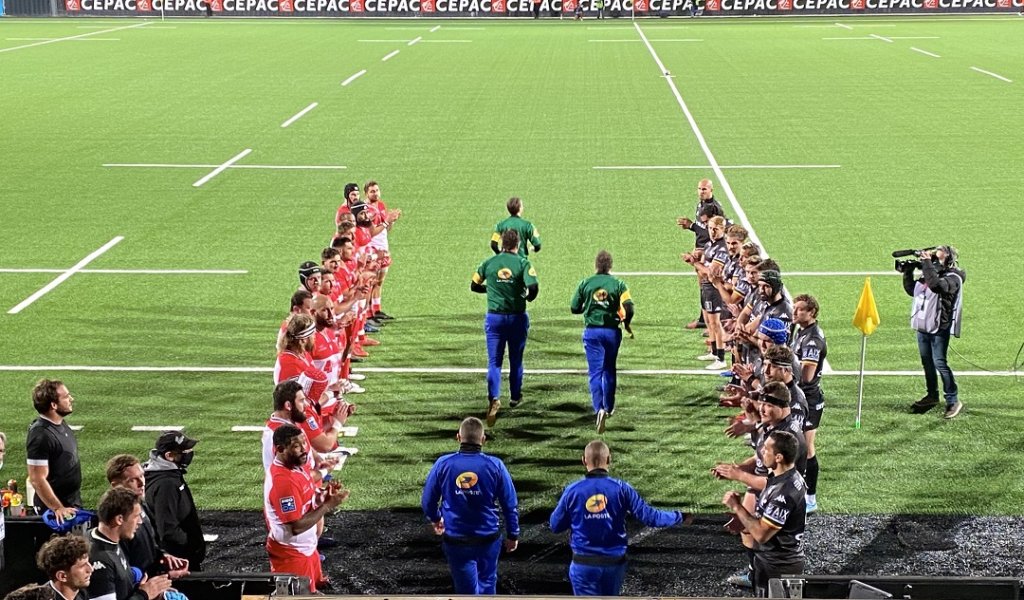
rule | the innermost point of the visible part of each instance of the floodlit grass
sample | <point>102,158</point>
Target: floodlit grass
<point>929,153</point>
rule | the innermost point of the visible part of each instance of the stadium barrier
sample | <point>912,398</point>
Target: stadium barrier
<point>497,8</point>
<point>903,587</point>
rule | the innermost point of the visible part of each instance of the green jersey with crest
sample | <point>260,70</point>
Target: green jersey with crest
<point>506,277</point>
<point>601,298</point>
<point>527,233</point>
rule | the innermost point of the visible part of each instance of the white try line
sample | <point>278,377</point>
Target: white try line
<point>992,74</point>
<point>135,271</point>
<point>864,37</point>
<point>299,114</point>
<point>705,167</point>
<point>73,37</point>
<point>248,428</point>
<point>220,169</point>
<point>206,166</point>
<point>353,78</point>
<point>456,371</point>
<point>925,52</point>
<point>64,276</point>
<point>157,427</point>
<point>636,41</point>
<point>389,56</point>
<point>447,41</point>
<point>413,41</point>
<point>81,40</point>
<point>878,37</point>
<point>784,274</point>
<point>843,25</point>
<point>435,28</point>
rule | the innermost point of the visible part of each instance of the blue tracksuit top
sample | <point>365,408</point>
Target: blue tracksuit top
<point>467,483</point>
<point>596,506</point>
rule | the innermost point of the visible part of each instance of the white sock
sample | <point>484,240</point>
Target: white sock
<point>811,498</point>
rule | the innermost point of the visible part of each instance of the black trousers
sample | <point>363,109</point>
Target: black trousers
<point>764,570</point>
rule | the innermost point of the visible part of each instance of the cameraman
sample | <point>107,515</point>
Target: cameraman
<point>935,314</point>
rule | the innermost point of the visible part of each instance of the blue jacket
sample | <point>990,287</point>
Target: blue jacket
<point>467,483</point>
<point>596,506</point>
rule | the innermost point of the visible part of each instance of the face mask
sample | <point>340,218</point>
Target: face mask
<point>186,459</point>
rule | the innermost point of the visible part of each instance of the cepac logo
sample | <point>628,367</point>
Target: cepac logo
<point>597,503</point>
<point>497,6</point>
<point>428,6</point>
<point>931,4</point>
<point>466,480</point>
<point>713,5</point>
<point>217,5</point>
<point>72,5</point>
<point>144,5</point>
<point>1003,4</point>
<point>785,4</point>
<point>857,4</point>
<point>357,6</point>
<point>505,274</point>
<point>569,5</point>
<point>640,5</point>
<point>285,6</point>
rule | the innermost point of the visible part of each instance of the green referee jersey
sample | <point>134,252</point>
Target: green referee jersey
<point>506,276</point>
<point>601,297</point>
<point>527,233</point>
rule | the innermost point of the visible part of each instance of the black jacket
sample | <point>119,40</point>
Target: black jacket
<point>175,518</point>
<point>942,282</point>
<point>111,576</point>
<point>143,551</point>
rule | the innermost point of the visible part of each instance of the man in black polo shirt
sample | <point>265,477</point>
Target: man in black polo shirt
<point>119,513</point>
<point>778,521</point>
<point>52,451</point>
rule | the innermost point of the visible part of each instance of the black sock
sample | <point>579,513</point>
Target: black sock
<point>720,353</point>
<point>812,475</point>
<point>714,348</point>
<point>750,559</point>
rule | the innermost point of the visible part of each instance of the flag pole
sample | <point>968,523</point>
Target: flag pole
<point>860,392</point>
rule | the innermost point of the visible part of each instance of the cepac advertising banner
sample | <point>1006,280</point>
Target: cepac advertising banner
<point>524,8</point>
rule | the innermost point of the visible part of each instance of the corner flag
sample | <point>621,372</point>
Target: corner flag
<point>866,318</point>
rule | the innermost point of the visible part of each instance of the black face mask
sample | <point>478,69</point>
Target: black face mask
<point>186,459</point>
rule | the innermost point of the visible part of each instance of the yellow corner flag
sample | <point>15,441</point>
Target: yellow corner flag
<point>866,318</point>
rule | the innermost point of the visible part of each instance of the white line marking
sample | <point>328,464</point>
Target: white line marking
<point>454,370</point>
<point>383,41</point>
<point>50,39</point>
<point>628,28</point>
<point>447,41</point>
<point>844,26</point>
<point>913,37</point>
<point>878,37</point>
<point>353,78</point>
<point>220,169</point>
<point>413,41</point>
<point>703,167</point>
<point>389,56</point>
<point>73,37</point>
<point>160,27</point>
<point>157,427</point>
<point>299,114</point>
<point>348,431</point>
<point>435,28</point>
<point>135,271</point>
<point>64,276</point>
<point>76,427</point>
<point>784,273</point>
<point>205,166</point>
<point>209,538</point>
<point>849,38</point>
<point>662,40</point>
<point>992,74</point>
<point>925,52</point>
<point>248,428</point>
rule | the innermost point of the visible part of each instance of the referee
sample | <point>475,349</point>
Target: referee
<point>604,302</point>
<point>509,281</point>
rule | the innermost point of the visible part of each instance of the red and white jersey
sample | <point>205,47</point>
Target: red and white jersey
<point>343,209</point>
<point>300,368</point>
<point>380,213</point>
<point>288,494</point>
<point>268,439</point>
<point>327,354</point>
<point>362,240</point>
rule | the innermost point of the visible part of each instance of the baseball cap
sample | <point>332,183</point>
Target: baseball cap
<point>174,441</point>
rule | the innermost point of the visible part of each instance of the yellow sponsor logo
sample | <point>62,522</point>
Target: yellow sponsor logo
<point>466,480</point>
<point>596,503</point>
<point>505,274</point>
<point>601,296</point>
<point>532,272</point>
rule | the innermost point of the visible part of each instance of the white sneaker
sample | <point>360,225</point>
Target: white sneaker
<point>356,377</point>
<point>602,416</point>
<point>707,357</point>
<point>353,388</point>
<point>718,365</point>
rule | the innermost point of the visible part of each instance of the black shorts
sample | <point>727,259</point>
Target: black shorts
<point>711,300</point>
<point>815,406</point>
<point>765,570</point>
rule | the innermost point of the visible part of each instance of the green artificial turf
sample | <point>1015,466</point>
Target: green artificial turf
<point>929,152</point>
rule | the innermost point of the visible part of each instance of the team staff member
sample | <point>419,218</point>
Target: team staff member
<point>509,281</point>
<point>65,560</point>
<point>595,508</point>
<point>293,509</point>
<point>527,232</point>
<point>604,301</point>
<point>810,348</point>
<point>175,517</point>
<point>777,523</point>
<point>119,513</point>
<point>467,484</point>
<point>52,451</point>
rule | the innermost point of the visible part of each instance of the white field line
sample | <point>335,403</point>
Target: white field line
<point>76,427</point>
<point>136,271</point>
<point>205,166</point>
<point>157,427</point>
<point>220,169</point>
<point>925,52</point>
<point>353,78</point>
<point>457,371</point>
<point>712,161</point>
<point>299,114</point>
<point>629,28</point>
<point>992,74</point>
<point>662,40</point>
<point>161,27</point>
<point>435,28</point>
<point>73,37</point>
<point>414,40</point>
<point>703,167</point>
<point>913,37</point>
<point>64,276</point>
<point>383,41</point>
<point>784,274</point>
<point>878,37</point>
<point>844,26</point>
<point>245,428</point>
<point>865,37</point>
<point>389,56</point>
<point>79,40</point>
<point>447,41</point>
